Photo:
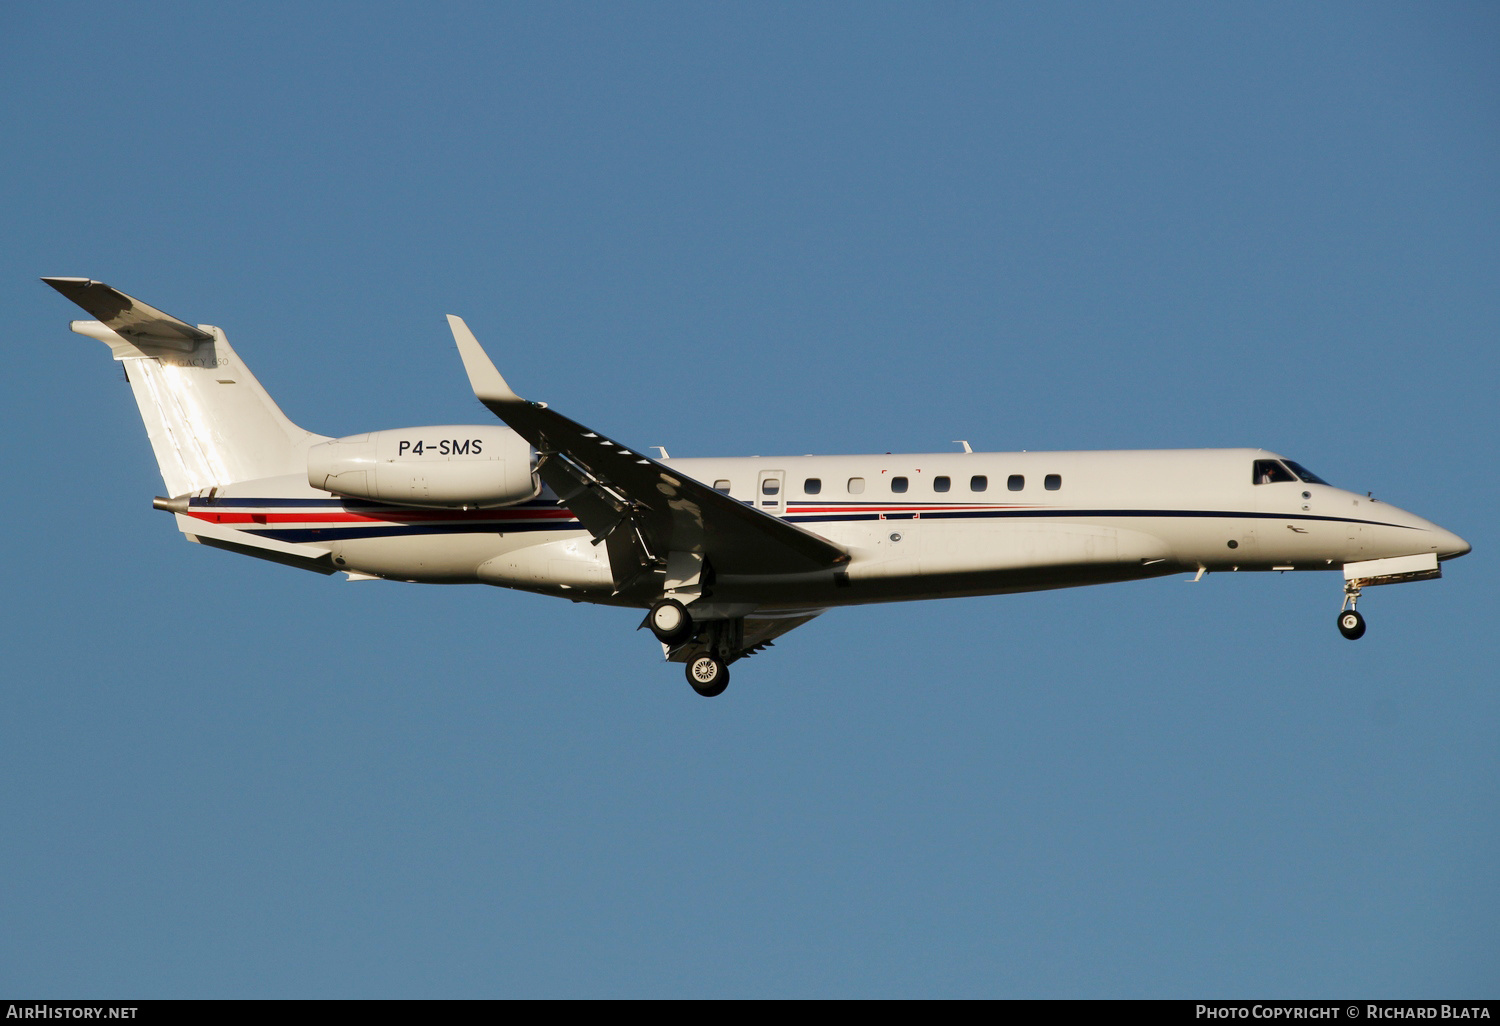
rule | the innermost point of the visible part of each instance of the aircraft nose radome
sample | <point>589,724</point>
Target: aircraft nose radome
<point>1451,546</point>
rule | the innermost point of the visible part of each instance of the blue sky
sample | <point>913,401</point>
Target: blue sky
<point>732,230</point>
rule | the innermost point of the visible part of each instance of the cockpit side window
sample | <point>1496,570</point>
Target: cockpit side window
<point>1270,472</point>
<point>1306,475</point>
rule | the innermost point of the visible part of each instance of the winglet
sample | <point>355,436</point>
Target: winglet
<point>486,381</point>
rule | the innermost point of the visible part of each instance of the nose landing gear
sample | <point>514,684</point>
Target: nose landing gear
<point>1351,624</point>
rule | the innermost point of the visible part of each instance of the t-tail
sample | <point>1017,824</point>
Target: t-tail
<point>213,427</point>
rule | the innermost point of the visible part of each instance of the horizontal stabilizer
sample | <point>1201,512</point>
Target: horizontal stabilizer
<point>129,317</point>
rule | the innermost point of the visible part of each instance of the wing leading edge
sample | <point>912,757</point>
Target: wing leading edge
<point>642,509</point>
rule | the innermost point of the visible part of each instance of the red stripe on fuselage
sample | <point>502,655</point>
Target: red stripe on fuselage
<point>394,517</point>
<point>942,508</point>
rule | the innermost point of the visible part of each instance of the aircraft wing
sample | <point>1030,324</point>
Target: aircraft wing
<point>642,509</point>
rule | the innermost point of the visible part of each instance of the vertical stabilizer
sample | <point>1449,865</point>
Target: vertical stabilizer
<point>210,422</point>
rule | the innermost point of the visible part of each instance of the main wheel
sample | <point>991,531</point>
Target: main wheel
<point>707,675</point>
<point>1351,625</point>
<point>670,622</point>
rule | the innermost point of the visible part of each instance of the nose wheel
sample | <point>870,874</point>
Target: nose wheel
<point>1351,625</point>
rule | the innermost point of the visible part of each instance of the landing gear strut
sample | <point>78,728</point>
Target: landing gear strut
<point>1351,624</point>
<point>708,676</point>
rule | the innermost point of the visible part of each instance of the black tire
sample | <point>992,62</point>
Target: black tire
<point>707,675</point>
<point>676,622</point>
<point>1351,625</point>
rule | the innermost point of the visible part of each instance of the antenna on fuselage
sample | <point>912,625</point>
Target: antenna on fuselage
<point>960,441</point>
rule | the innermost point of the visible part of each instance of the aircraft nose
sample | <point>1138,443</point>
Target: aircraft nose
<point>1451,546</point>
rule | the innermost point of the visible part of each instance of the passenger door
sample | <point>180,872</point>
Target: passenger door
<point>770,492</point>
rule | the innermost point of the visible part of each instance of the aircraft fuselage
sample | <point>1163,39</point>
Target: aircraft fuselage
<point>916,526</point>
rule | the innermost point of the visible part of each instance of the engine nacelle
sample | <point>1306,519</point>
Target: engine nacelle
<point>450,466</point>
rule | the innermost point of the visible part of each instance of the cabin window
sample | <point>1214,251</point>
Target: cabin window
<point>978,483</point>
<point>898,484</point>
<point>1270,472</point>
<point>941,484</point>
<point>1052,482</point>
<point>770,486</point>
<point>813,485</point>
<point>721,486</point>
<point>856,486</point>
<point>1016,482</point>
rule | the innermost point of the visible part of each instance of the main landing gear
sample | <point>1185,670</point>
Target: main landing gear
<point>708,676</point>
<point>1351,624</point>
<point>707,647</point>
<point>670,621</point>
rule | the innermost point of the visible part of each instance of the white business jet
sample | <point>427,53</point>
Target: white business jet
<point>724,554</point>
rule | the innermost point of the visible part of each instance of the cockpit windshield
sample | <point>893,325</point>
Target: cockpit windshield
<point>1273,471</point>
<point>1306,475</point>
<point>1270,472</point>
